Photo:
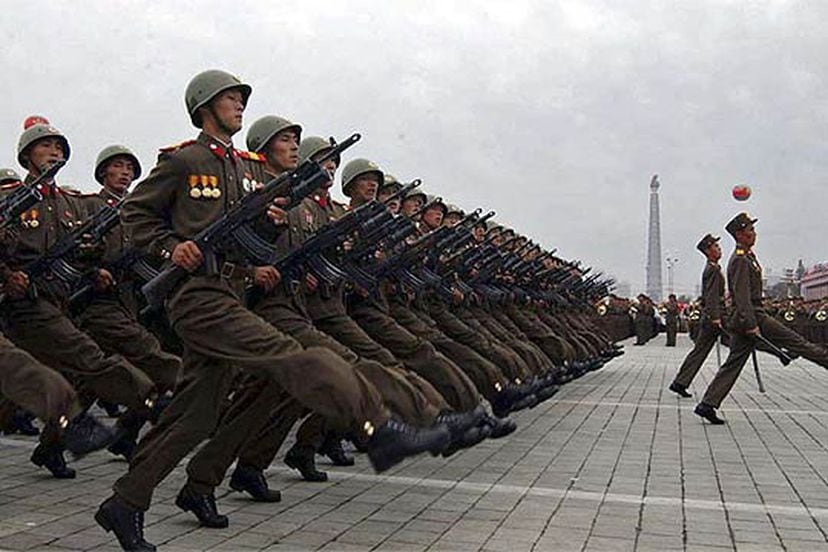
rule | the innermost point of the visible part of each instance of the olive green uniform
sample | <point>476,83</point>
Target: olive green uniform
<point>110,320</point>
<point>40,326</point>
<point>744,281</point>
<point>712,307</point>
<point>221,336</point>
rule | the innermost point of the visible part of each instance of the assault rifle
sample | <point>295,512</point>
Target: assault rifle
<point>57,259</point>
<point>26,196</point>
<point>237,223</point>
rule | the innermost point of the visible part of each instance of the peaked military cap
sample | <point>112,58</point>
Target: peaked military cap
<point>707,241</point>
<point>739,222</point>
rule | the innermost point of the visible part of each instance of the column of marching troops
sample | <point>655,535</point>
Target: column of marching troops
<point>465,322</point>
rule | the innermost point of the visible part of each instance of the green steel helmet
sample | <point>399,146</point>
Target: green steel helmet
<point>266,128</point>
<point>455,210</point>
<point>356,168</point>
<point>110,152</point>
<point>9,175</point>
<point>313,145</point>
<point>435,201</point>
<point>492,226</point>
<point>416,193</point>
<point>390,184</point>
<point>207,85</point>
<point>35,133</point>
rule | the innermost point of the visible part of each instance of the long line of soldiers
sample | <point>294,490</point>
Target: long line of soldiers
<point>398,321</point>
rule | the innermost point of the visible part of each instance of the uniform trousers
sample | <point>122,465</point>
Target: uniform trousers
<point>221,336</point>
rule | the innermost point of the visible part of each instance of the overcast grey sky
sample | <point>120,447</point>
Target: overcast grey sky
<point>555,114</point>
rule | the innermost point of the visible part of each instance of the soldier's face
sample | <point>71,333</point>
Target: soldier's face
<point>411,205</point>
<point>747,236</point>
<point>451,219</point>
<point>228,108</point>
<point>479,233</point>
<point>433,217</point>
<point>44,152</point>
<point>365,188</point>
<point>714,252</point>
<point>282,151</point>
<point>330,167</point>
<point>119,174</point>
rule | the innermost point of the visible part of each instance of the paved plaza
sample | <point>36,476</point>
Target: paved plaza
<point>614,462</point>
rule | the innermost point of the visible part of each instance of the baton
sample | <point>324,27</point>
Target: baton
<point>786,358</point>
<point>756,370</point>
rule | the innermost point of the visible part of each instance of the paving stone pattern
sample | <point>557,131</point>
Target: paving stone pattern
<point>614,463</point>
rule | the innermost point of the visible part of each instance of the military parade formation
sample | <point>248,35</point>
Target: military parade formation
<point>227,298</point>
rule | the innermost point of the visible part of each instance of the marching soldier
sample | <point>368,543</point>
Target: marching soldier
<point>38,322</point>
<point>749,319</point>
<point>110,315</point>
<point>193,185</point>
<point>712,307</point>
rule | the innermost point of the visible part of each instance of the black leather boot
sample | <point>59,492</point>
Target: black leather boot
<point>499,427</point>
<point>21,422</point>
<point>203,506</point>
<point>85,434</point>
<point>126,433</point>
<point>253,482</point>
<point>127,523</point>
<point>393,441</point>
<point>303,459</point>
<point>51,458</point>
<point>332,448</point>
<point>708,413</point>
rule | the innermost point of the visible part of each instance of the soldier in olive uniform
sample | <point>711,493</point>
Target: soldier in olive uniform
<point>192,186</point>
<point>712,307</point>
<point>283,306</point>
<point>749,319</point>
<point>110,315</point>
<point>671,320</point>
<point>38,322</point>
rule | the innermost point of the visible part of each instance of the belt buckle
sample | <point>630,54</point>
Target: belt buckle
<point>227,270</point>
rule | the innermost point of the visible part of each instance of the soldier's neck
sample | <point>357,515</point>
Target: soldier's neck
<point>223,138</point>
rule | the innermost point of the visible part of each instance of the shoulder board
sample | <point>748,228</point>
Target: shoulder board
<point>740,251</point>
<point>340,204</point>
<point>251,155</point>
<point>176,147</point>
<point>11,185</point>
<point>71,191</point>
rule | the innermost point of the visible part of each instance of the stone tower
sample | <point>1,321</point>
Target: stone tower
<point>654,244</point>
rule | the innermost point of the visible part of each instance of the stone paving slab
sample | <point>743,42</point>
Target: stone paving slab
<point>614,463</point>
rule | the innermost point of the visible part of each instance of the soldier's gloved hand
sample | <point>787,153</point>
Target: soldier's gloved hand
<point>275,211</point>
<point>187,255</point>
<point>17,284</point>
<point>266,277</point>
<point>104,280</point>
<point>311,283</point>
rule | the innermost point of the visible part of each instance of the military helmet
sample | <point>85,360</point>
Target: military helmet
<point>35,133</point>
<point>207,85</point>
<point>390,181</point>
<point>356,168</point>
<point>9,175</point>
<point>110,152</point>
<point>266,128</point>
<point>492,226</point>
<point>313,145</point>
<point>416,193</point>
<point>453,209</point>
<point>435,201</point>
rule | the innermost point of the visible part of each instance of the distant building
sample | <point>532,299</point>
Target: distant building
<point>814,282</point>
<point>654,244</point>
